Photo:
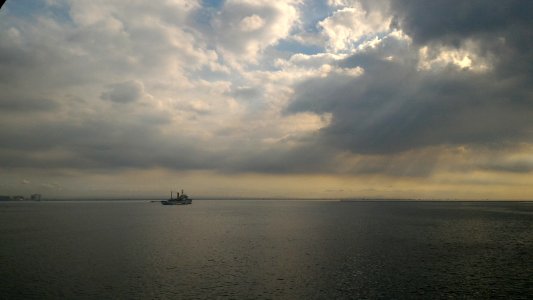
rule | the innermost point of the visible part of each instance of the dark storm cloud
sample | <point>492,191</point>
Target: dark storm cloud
<point>280,159</point>
<point>125,92</point>
<point>98,143</point>
<point>108,142</point>
<point>510,167</point>
<point>11,104</point>
<point>503,28</point>
<point>396,107</point>
<point>453,20</point>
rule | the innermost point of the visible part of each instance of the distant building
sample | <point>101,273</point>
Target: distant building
<point>35,197</point>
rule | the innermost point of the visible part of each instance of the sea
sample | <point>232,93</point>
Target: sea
<point>266,249</point>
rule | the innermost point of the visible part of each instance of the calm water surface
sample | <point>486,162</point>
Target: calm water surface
<point>266,249</point>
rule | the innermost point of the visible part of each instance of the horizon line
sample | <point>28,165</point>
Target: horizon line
<point>343,199</point>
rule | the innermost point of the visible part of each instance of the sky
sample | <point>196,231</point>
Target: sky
<point>255,98</point>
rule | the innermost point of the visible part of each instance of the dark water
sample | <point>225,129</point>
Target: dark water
<point>266,249</point>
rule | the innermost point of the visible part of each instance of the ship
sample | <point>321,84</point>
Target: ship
<point>181,199</point>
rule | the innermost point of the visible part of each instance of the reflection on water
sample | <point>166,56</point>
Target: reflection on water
<point>266,249</point>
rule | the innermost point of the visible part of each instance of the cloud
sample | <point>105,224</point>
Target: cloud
<point>500,30</point>
<point>460,94</point>
<point>251,23</point>
<point>15,103</point>
<point>453,21</point>
<point>364,88</point>
<point>347,25</point>
<point>242,29</point>
<point>466,57</point>
<point>125,92</point>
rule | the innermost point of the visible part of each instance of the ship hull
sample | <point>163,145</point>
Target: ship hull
<point>173,202</point>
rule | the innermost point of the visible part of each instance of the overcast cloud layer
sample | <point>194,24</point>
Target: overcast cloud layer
<point>398,90</point>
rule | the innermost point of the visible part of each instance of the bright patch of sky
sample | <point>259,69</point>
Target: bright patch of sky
<point>292,46</point>
<point>213,3</point>
<point>29,9</point>
<point>313,12</point>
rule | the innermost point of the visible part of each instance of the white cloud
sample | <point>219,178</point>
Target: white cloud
<point>244,28</point>
<point>435,57</point>
<point>349,24</point>
<point>251,23</point>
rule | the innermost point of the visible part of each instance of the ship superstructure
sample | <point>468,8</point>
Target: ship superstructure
<point>181,199</point>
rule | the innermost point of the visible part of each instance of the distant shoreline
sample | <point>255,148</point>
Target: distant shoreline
<point>266,199</point>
